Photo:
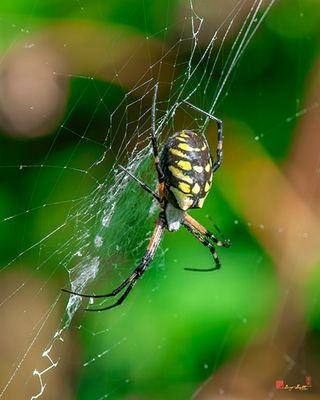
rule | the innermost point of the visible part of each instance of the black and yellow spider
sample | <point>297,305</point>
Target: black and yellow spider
<point>184,168</point>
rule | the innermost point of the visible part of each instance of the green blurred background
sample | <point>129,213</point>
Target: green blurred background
<point>177,328</point>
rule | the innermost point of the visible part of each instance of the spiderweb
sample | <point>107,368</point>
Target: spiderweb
<point>101,230</point>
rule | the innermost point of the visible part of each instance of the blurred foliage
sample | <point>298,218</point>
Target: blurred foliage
<point>191,319</point>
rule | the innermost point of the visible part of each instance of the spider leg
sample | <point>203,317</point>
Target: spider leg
<point>217,163</point>
<point>136,274</point>
<point>154,137</point>
<point>205,232</point>
<point>99,296</point>
<point>118,302</point>
<point>207,244</point>
<point>129,282</point>
<point>225,240</point>
<point>143,185</point>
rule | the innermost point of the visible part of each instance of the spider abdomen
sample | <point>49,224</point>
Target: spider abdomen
<point>187,167</point>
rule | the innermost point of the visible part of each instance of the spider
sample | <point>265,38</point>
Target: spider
<point>184,169</point>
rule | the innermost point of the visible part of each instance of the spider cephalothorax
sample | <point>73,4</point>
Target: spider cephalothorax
<point>184,169</point>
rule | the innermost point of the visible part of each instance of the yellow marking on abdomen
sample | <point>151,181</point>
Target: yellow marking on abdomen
<point>201,201</point>
<point>184,187</point>
<point>207,187</point>
<point>207,167</point>
<point>182,139</point>
<point>185,165</point>
<point>184,201</point>
<point>176,172</point>
<point>183,134</point>
<point>178,153</point>
<point>196,189</point>
<point>186,147</point>
<point>198,168</point>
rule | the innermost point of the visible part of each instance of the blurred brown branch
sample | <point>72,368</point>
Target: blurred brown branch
<point>35,73</point>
